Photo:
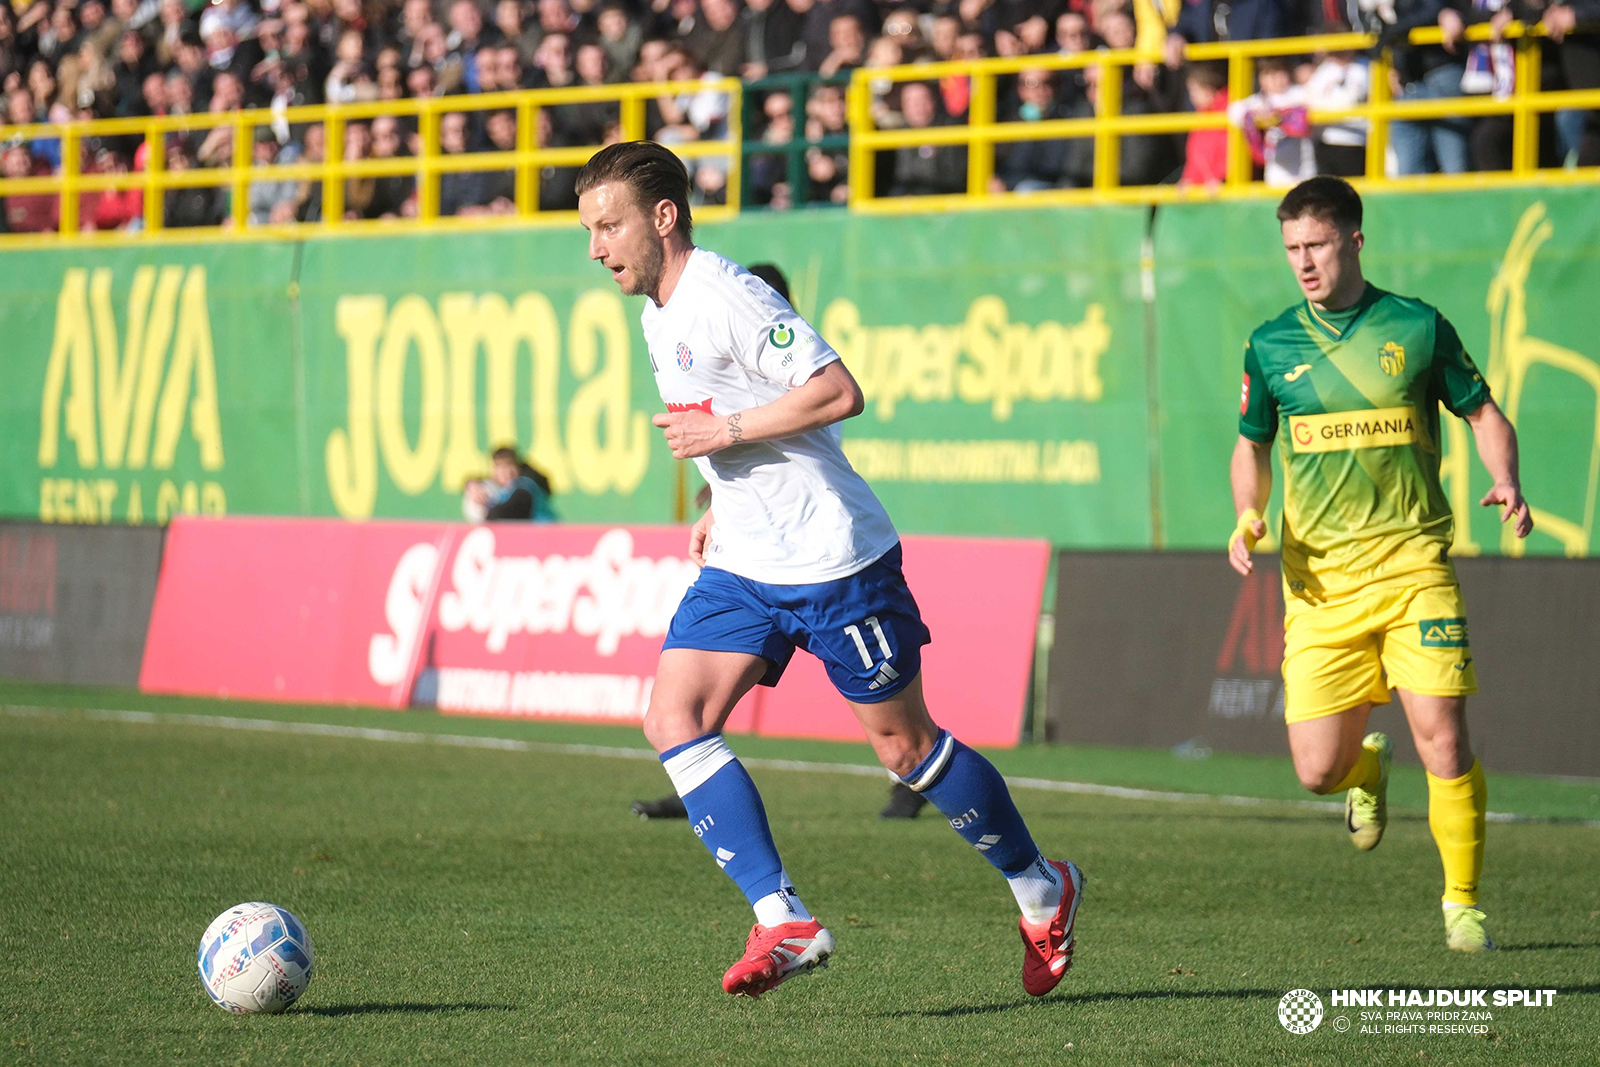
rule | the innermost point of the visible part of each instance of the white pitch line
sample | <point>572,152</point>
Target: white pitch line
<point>412,737</point>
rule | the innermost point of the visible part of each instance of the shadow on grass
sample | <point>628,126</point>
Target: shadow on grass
<point>1108,996</point>
<point>401,1009</point>
<point>1545,945</point>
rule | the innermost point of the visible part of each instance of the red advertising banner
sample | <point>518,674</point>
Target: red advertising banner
<point>545,621</point>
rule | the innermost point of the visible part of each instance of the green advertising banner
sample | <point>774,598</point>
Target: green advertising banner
<point>1067,374</point>
<point>1002,357</point>
<point>1516,271</point>
<point>1003,366</point>
<point>145,381</point>
<point>425,352</point>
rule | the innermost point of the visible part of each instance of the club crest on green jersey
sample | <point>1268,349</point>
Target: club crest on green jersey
<point>1392,358</point>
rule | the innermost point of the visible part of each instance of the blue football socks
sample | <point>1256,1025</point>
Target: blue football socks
<point>969,792</point>
<point>726,813</point>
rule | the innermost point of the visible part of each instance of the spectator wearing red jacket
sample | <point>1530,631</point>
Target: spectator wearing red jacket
<point>1206,152</point>
<point>28,212</point>
<point>111,209</point>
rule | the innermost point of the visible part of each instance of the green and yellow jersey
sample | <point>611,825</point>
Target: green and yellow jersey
<point>1353,397</point>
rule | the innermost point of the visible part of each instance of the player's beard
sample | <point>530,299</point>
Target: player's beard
<point>647,273</point>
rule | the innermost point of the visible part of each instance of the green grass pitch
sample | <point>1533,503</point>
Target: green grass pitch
<point>500,905</point>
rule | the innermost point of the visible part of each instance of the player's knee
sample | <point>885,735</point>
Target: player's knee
<point>664,730</point>
<point>1319,776</point>
<point>1446,753</point>
<point>899,753</point>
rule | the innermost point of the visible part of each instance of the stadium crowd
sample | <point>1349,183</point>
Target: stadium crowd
<point>62,60</point>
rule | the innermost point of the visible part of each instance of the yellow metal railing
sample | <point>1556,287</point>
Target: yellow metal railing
<point>333,171</point>
<point>979,135</point>
<point>981,132</point>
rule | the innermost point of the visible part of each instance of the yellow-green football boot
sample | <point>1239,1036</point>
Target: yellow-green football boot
<point>1463,930</point>
<point>1366,811</point>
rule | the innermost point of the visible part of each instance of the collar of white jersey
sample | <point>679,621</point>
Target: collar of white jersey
<point>696,255</point>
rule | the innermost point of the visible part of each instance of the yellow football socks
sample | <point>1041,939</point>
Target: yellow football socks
<point>1364,774</point>
<point>1456,808</point>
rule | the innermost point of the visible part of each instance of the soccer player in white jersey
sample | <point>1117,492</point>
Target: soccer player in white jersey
<point>795,551</point>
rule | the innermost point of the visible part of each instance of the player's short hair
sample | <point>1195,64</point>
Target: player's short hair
<point>769,273</point>
<point>1329,199</point>
<point>507,453</point>
<point>650,170</point>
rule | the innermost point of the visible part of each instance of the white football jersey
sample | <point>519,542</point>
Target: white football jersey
<point>791,510</point>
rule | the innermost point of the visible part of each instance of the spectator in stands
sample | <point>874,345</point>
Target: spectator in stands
<point>393,196</point>
<point>1274,120</point>
<point>926,170</point>
<point>827,169</point>
<point>1580,65</point>
<point>499,186</point>
<point>690,116</point>
<point>28,212</point>
<point>767,173</point>
<point>1072,33</point>
<point>110,209</point>
<point>773,38</point>
<point>1029,166</point>
<point>1206,151</point>
<point>717,40</point>
<point>1144,159</point>
<point>312,149</point>
<point>1243,20</point>
<point>515,490</point>
<point>515,31</point>
<point>358,191</point>
<point>847,46</point>
<point>554,62</point>
<point>1426,72</point>
<point>618,35</point>
<point>269,201</point>
<point>585,124</point>
<point>133,65</point>
<point>457,189</point>
<point>201,205</point>
<point>1340,81</point>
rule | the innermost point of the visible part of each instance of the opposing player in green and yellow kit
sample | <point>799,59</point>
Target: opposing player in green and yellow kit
<point>1349,383</point>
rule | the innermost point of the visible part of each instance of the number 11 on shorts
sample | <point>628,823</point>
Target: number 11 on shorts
<point>861,645</point>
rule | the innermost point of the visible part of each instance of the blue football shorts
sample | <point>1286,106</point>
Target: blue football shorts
<point>865,628</point>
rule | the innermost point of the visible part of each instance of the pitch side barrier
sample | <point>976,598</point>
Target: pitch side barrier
<point>1175,650</point>
<point>75,601</point>
<point>539,621</point>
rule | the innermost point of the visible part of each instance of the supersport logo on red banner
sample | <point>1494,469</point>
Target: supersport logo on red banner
<point>538,621</point>
<point>608,594</point>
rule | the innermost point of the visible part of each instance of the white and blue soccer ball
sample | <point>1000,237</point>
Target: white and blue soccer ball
<point>255,958</point>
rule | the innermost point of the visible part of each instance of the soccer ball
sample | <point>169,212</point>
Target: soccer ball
<point>255,958</point>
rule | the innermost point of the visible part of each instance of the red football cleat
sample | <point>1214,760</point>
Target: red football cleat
<point>1047,947</point>
<point>774,954</point>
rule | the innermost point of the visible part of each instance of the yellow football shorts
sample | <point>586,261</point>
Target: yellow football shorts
<point>1345,652</point>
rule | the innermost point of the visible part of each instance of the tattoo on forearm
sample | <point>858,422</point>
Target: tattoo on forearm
<point>735,431</point>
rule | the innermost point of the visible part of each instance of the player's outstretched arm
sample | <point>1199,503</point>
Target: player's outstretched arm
<point>1497,447</point>
<point>831,395</point>
<point>1251,475</point>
